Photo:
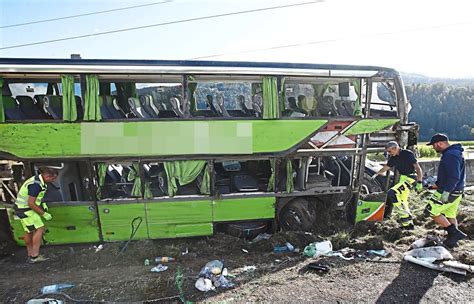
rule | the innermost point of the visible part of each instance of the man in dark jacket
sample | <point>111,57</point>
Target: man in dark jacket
<point>443,204</point>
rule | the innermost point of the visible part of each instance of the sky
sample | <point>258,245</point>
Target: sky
<point>433,38</point>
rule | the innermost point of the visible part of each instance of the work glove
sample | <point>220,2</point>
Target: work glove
<point>47,216</point>
<point>419,187</point>
<point>373,177</point>
<point>444,197</point>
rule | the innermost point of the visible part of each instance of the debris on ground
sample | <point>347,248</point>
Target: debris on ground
<point>159,268</point>
<point>427,257</point>
<point>317,249</point>
<point>213,275</point>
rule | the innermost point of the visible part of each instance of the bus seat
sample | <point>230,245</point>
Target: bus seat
<point>11,109</point>
<point>244,183</point>
<point>137,108</point>
<point>104,110</point>
<point>220,105</point>
<point>307,104</point>
<point>30,108</point>
<point>177,106</point>
<point>147,103</point>
<point>113,107</point>
<point>210,103</point>
<point>344,108</point>
<point>243,105</point>
<point>257,105</point>
<point>327,106</point>
<point>53,105</point>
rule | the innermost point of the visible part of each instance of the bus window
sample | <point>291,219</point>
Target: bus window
<point>242,176</point>
<point>319,98</point>
<point>226,99</point>
<point>70,185</point>
<point>186,178</point>
<point>39,100</point>
<point>118,181</point>
<point>383,99</point>
<point>158,100</point>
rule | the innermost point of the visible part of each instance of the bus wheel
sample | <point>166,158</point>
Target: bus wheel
<point>298,215</point>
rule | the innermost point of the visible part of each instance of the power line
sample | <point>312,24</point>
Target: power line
<point>85,14</point>
<point>329,40</point>
<point>162,24</point>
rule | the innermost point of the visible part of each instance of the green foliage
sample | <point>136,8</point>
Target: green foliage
<point>439,108</point>
<point>426,151</point>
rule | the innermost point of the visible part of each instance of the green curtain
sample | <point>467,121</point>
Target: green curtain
<point>271,181</point>
<point>69,100</point>
<point>125,90</point>
<point>289,176</point>
<point>101,171</point>
<point>270,98</point>
<point>191,89</point>
<point>92,106</point>
<point>320,89</point>
<point>134,175</point>
<point>184,172</point>
<point>2,113</point>
<point>357,106</point>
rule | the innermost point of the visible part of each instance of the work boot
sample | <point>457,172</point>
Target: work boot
<point>454,236</point>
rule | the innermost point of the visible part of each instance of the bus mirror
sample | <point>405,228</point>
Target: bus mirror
<point>30,89</point>
<point>343,89</point>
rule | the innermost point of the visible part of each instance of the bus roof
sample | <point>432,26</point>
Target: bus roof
<point>45,65</point>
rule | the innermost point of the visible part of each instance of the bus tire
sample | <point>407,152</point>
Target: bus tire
<point>297,215</point>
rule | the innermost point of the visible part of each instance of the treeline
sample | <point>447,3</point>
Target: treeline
<point>442,108</point>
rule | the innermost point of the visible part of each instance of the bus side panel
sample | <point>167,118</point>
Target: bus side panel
<point>234,209</point>
<point>17,229</point>
<point>72,224</point>
<point>179,219</point>
<point>116,221</point>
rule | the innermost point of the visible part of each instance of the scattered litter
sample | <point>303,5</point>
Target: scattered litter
<point>318,267</point>
<point>55,288</point>
<point>249,268</point>
<point>339,254</point>
<point>203,284</point>
<point>98,248</point>
<point>146,262</point>
<point>381,252</point>
<point>245,250</point>
<point>277,261</point>
<point>44,301</point>
<point>159,268</point>
<point>185,252</point>
<point>428,255</point>
<point>287,248</point>
<point>213,275</point>
<point>260,237</point>
<point>164,259</point>
<point>428,241</point>
<point>317,249</point>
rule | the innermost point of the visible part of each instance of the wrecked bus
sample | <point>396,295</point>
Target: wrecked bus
<point>168,149</point>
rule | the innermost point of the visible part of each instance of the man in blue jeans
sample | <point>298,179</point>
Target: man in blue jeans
<point>443,204</point>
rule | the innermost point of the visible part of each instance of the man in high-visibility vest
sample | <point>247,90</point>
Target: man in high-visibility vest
<point>411,176</point>
<point>30,209</point>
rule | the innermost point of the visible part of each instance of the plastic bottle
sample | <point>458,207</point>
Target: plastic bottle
<point>55,288</point>
<point>164,259</point>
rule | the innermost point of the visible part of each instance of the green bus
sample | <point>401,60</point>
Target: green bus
<point>186,148</point>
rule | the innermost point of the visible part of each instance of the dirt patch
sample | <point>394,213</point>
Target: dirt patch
<point>106,275</point>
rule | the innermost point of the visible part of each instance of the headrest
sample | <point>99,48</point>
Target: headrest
<point>307,103</point>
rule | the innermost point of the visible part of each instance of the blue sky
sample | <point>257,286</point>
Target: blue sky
<point>418,36</point>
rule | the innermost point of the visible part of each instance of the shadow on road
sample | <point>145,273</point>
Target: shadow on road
<point>410,285</point>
